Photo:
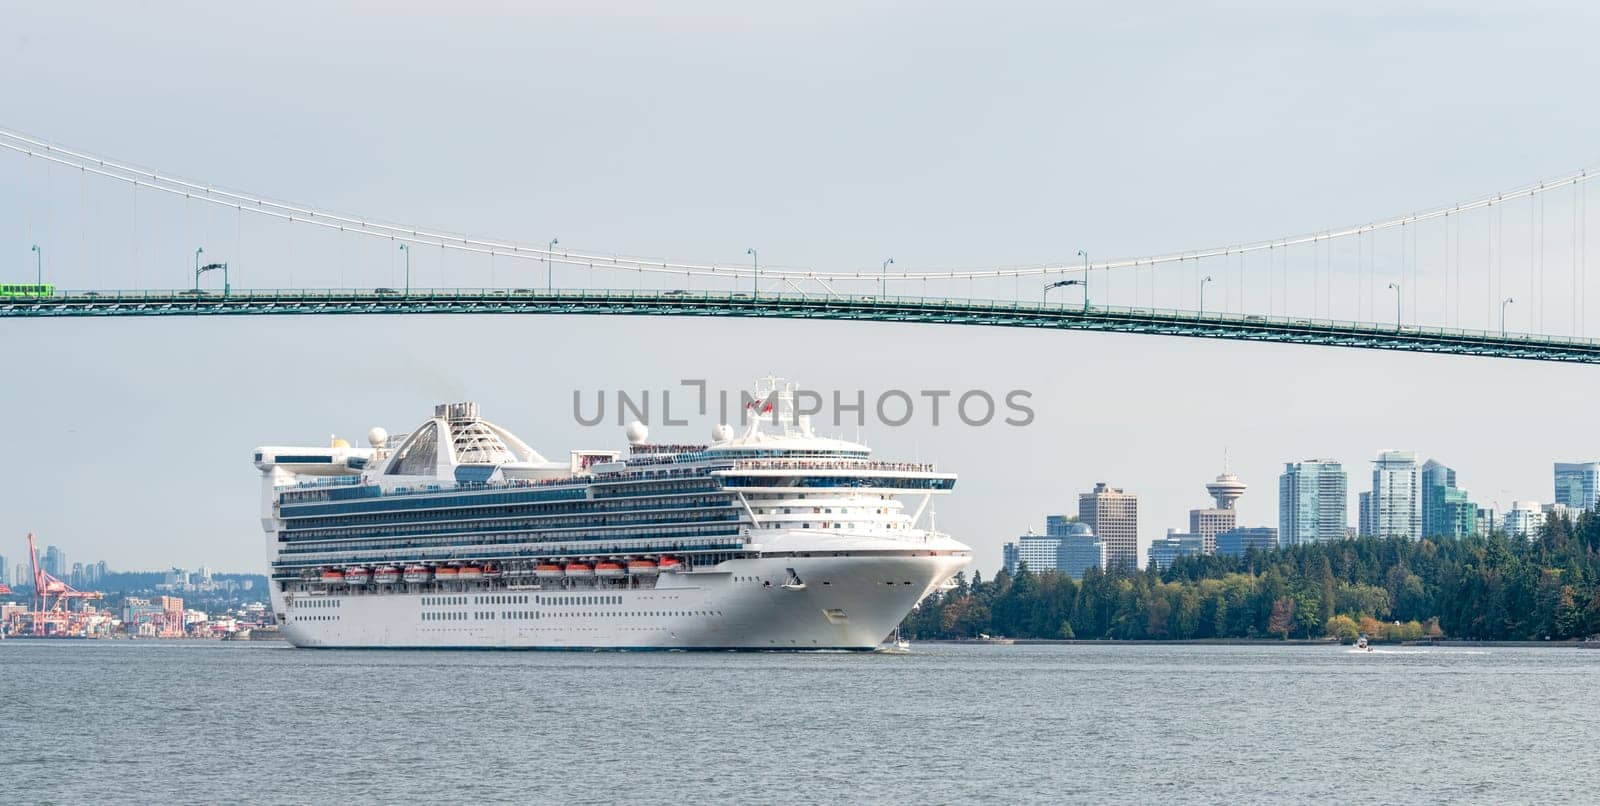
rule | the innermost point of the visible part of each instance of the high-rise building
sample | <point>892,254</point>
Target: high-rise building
<point>1206,523</point>
<point>1488,522</point>
<point>1446,510</point>
<point>1524,519</point>
<point>1038,552</point>
<point>1313,502</point>
<point>5,572</point>
<point>1114,516</point>
<point>1235,542</point>
<point>100,572</point>
<point>1164,551</point>
<point>1080,551</point>
<point>1577,484</point>
<point>55,562</point>
<point>1069,547</point>
<point>23,578</point>
<point>1393,508</point>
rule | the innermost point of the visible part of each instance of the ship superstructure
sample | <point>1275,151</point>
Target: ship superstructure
<point>459,534</point>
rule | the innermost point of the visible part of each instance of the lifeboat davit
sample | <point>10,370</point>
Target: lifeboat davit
<point>331,577</point>
<point>418,573</point>
<point>491,570</point>
<point>445,573</point>
<point>387,575</point>
<point>608,570</point>
<point>580,570</point>
<point>548,571</point>
<point>470,573</point>
<point>669,564</point>
<point>357,576</point>
<point>641,567</point>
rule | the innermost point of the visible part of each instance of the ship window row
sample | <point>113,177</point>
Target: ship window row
<point>541,511</point>
<point>544,544</point>
<point>443,600</point>
<point>623,490</point>
<point>544,527</point>
<point>376,500</point>
<point>329,617</point>
<point>647,545</point>
<point>841,481</point>
<point>300,603</point>
<point>457,616</point>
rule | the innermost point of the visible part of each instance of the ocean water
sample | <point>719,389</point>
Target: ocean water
<point>206,722</point>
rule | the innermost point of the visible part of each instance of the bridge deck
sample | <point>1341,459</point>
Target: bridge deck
<point>1067,316</point>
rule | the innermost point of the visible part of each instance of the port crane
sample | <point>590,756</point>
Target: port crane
<point>50,596</point>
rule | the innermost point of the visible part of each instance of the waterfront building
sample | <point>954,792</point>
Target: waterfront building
<point>1058,525</point>
<point>1393,507</point>
<point>1487,522</point>
<point>1524,519</point>
<point>1164,551</point>
<point>1113,514</point>
<point>1235,542</point>
<point>1577,484</point>
<point>1226,491</point>
<point>1446,509</point>
<point>1038,552</point>
<point>1072,549</point>
<point>1313,500</point>
<point>1081,550</point>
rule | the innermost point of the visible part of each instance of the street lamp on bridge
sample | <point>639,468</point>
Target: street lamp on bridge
<point>1085,256</point>
<point>1203,282</point>
<point>755,262</point>
<point>198,251</point>
<point>1503,304</point>
<point>38,264</point>
<point>1063,284</point>
<point>1399,296</point>
<point>550,267</point>
<point>883,282</point>
<point>407,251</point>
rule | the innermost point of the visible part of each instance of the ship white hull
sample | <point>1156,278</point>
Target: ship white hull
<point>848,601</point>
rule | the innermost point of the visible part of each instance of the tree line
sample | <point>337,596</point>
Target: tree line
<point>1485,588</point>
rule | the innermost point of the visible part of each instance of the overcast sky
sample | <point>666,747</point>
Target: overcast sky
<point>825,135</point>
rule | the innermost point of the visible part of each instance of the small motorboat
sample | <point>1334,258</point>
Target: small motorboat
<point>1361,643</point>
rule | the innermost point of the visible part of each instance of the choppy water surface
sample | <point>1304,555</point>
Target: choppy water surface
<point>209,722</point>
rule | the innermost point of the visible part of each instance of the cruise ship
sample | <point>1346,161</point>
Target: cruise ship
<point>460,535</point>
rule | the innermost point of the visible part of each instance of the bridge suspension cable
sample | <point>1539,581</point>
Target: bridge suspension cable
<point>36,148</point>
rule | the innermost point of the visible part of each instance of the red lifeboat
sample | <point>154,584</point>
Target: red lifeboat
<point>579,570</point>
<point>357,576</point>
<point>418,574</point>
<point>670,564</point>
<point>470,573</point>
<point>606,569</point>
<point>445,573</point>
<point>332,576</point>
<point>548,571</point>
<point>490,570</point>
<point>387,575</point>
<point>642,567</point>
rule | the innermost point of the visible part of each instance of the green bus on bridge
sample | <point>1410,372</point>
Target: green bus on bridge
<point>15,290</point>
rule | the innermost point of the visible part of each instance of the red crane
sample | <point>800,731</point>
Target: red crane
<point>50,594</point>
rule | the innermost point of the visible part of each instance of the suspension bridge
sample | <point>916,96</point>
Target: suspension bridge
<point>1438,281</point>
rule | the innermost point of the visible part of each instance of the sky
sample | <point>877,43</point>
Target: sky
<point>825,135</point>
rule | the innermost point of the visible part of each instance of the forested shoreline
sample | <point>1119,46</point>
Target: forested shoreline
<point>1493,588</point>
